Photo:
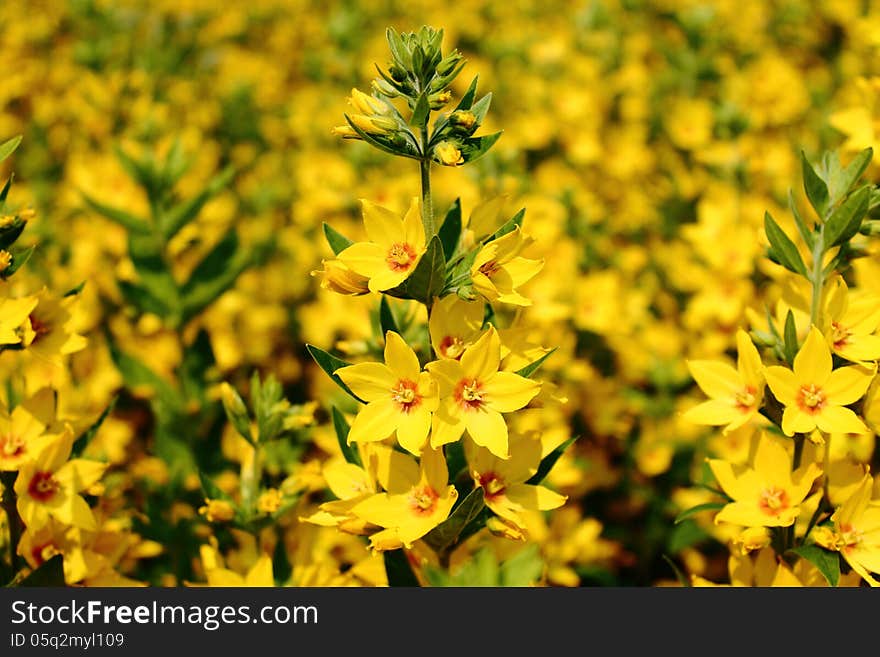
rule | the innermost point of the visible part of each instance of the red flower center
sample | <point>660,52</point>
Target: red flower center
<point>773,501</point>
<point>469,393</point>
<point>11,446</point>
<point>423,500</point>
<point>811,399</point>
<point>492,484</point>
<point>43,486</point>
<point>400,256</point>
<point>451,346</point>
<point>406,395</point>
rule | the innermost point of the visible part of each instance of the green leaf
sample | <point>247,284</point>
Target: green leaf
<point>815,187</point>
<point>214,275</point>
<point>684,535</point>
<point>386,317</point>
<point>467,100</point>
<point>846,219</point>
<point>694,510</point>
<point>86,436</point>
<point>137,375</point>
<point>49,574</point>
<point>532,367</point>
<point>450,231</point>
<point>549,461</point>
<point>125,219</point>
<point>11,232</point>
<point>854,170</point>
<point>790,343</point>
<point>330,363</point>
<point>679,575</point>
<point>341,426</point>
<point>420,111</point>
<point>473,148</point>
<point>180,215</point>
<point>5,192</point>
<point>19,260</point>
<point>8,147</point>
<point>398,569</point>
<point>481,107</point>
<point>805,231</point>
<point>447,534</point>
<point>398,50</point>
<point>142,171</point>
<point>427,279</point>
<point>142,299</point>
<point>522,569</point>
<point>826,561</point>
<point>382,146</point>
<point>337,241</point>
<point>211,490</point>
<point>508,226</point>
<point>782,248</point>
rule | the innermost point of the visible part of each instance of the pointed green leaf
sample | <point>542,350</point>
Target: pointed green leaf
<point>448,533</point>
<point>450,231</point>
<point>790,344</point>
<point>815,187</point>
<point>8,147</point>
<point>138,375</point>
<point>532,367</point>
<point>5,192</point>
<point>549,461</point>
<point>398,50</point>
<point>854,170</point>
<point>49,574</point>
<point>398,569</point>
<point>694,510</point>
<point>211,490</point>
<point>382,146</point>
<point>481,107</point>
<point>337,241</point>
<point>330,363</point>
<point>826,561</point>
<point>467,100</point>
<point>125,219</point>
<point>214,275</point>
<point>782,248</point>
<point>805,231</point>
<point>342,428</point>
<point>474,148</point>
<point>11,232</point>
<point>428,278</point>
<point>386,317</point>
<point>846,220</point>
<point>19,260</point>
<point>141,299</point>
<point>420,111</point>
<point>508,226</point>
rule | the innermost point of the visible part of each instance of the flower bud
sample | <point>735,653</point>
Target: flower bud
<point>217,511</point>
<point>464,119</point>
<point>5,260</point>
<point>338,278</point>
<point>236,411</point>
<point>438,100</point>
<point>448,154</point>
<point>448,63</point>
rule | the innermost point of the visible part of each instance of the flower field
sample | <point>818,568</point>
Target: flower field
<point>566,294</point>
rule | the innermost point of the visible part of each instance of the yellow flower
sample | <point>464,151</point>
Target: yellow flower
<point>851,324</point>
<point>258,575</point>
<point>815,396</point>
<point>425,501</point>
<point>736,394</point>
<point>370,115</point>
<point>48,485</point>
<point>269,501</point>
<point>505,490</point>
<point>400,397</point>
<point>454,325</point>
<point>216,510</point>
<point>5,260</point>
<point>13,315</point>
<point>336,277</point>
<point>21,434</point>
<point>396,245</point>
<point>856,532</point>
<point>474,394</point>
<point>498,270</point>
<point>448,153</point>
<point>48,333</point>
<point>768,494</point>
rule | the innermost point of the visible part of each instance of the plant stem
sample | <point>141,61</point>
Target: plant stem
<point>250,480</point>
<point>427,201</point>
<point>12,519</point>
<point>817,278</point>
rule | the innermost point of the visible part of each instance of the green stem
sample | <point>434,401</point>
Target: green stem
<point>817,278</point>
<point>250,481</point>
<point>12,519</point>
<point>427,201</point>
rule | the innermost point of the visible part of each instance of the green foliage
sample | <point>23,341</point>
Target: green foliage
<point>483,570</point>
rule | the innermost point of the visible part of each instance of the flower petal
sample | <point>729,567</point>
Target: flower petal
<point>506,392</point>
<point>369,381</point>
<point>812,364</point>
<point>482,358</point>
<point>749,364</point>
<point>413,428</point>
<point>487,428</point>
<point>375,421</point>
<point>847,385</point>
<point>783,383</point>
<point>839,419</point>
<point>383,226</point>
<point>400,359</point>
<point>794,420</point>
<point>535,498</point>
<point>715,378</point>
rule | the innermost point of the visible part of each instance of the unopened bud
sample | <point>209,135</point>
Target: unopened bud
<point>236,411</point>
<point>448,63</point>
<point>447,153</point>
<point>436,101</point>
<point>464,119</point>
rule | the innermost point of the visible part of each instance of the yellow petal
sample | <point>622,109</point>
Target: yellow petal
<point>434,469</point>
<point>261,573</point>
<point>794,420</point>
<point>847,385</point>
<point>772,462</point>
<point>447,373</point>
<point>522,270</point>
<point>448,424</point>
<point>714,412</point>
<point>715,378</point>
<point>535,498</point>
<point>400,359</point>
<point>839,419</point>
<point>525,457</point>
<point>482,358</point>
<point>813,362</point>
<point>364,258</point>
<point>376,421</point>
<point>728,478</point>
<point>383,226</point>
<point>749,363</point>
<point>369,381</point>
<point>345,480</point>
<point>488,429</point>
<point>79,474</point>
<point>506,392</point>
<point>783,383</point>
<point>413,428</point>
<point>396,472</point>
<point>413,229</point>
